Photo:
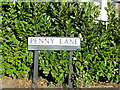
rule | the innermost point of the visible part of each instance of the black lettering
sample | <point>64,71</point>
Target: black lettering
<point>41,41</point>
<point>60,41</point>
<point>75,41</point>
<point>31,40</point>
<point>35,40</point>
<point>52,40</point>
<point>71,41</point>
<point>66,41</point>
<point>47,40</point>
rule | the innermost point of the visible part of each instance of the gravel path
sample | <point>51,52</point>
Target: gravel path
<point>8,82</point>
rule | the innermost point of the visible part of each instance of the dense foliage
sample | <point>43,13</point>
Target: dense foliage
<point>98,58</point>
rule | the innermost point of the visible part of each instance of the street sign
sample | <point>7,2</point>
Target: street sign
<point>53,43</point>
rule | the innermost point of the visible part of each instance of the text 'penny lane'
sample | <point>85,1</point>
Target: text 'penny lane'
<point>53,41</point>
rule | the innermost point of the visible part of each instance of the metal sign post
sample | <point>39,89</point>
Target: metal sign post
<point>70,83</point>
<point>53,43</point>
<point>35,62</point>
<point>35,74</point>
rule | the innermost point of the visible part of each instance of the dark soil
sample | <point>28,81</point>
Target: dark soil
<point>8,82</point>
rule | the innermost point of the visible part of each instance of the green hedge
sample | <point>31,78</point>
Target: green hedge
<point>100,48</point>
